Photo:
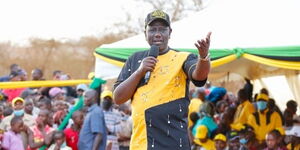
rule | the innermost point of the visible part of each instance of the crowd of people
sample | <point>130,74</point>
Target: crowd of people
<point>221,120</point>
<point>32,118</point>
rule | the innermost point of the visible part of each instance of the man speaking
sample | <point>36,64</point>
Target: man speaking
<point>160,103</point>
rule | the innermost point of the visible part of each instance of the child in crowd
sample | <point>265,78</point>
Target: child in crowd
<point>59,141</point>
<point>12,139</point>
<point>72,133</point>
<point>220,142</point>
<point>39,134</point>
<point>273,141</point>
<point>233,140</point>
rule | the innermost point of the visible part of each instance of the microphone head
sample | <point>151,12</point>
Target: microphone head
<point>154,51</point>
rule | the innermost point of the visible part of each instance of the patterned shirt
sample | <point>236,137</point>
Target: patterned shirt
<point>38,135</point>
<point>113,123</point>
<point>160,107</point>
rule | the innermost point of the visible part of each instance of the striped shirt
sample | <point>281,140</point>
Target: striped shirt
<point>113,123</point>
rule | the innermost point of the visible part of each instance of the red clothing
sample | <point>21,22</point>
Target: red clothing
<point>72,138</point>
<point>37,134</point>
<point>13,93</point>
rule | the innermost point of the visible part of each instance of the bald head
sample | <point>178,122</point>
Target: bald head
<point>90,97</point>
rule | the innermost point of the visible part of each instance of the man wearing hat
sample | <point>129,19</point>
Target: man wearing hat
<point>160,102</point>
<point>18,104</point>
<point>80,89</point>
<point>264,120</point>
<point>112,119</point>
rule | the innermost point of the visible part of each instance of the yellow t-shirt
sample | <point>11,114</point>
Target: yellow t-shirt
<point>208,145</point>
<point>159,107</point>
<point>262,129</point>
<point>243,112</point>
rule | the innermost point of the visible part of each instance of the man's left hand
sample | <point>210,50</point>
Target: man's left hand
<point>203,46</point>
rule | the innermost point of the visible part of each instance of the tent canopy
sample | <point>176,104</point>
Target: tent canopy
<point>252,63</point>
<point>260,36</point>
<point>250,38</point>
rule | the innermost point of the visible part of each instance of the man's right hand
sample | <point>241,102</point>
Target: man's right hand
<point>147,64</point>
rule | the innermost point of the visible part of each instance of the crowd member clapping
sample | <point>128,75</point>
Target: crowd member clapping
<point>40,134</point>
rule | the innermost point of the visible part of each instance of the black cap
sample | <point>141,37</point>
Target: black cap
<point>157,14</point>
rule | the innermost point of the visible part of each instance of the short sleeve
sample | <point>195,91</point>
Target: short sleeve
<point>125,72</point>
<point>189,66</point>
<point>97,122</point>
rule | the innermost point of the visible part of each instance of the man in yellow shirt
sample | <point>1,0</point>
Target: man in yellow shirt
<point>202,140</point>
<point>264,120</point>
<point>160,100</point>
<point>244,110</point>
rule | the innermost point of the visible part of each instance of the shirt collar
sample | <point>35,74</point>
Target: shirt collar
<point>92,107</point>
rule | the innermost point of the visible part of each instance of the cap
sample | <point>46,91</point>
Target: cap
<point>82,87</point>
<point>220,137</point>
<point>262,96</point>
<point>157,14</point>
<point>232,135</point>
<point>17,99</point>
<point>54,91</point>
<point>216,94</point>
<point>201,132</point>
<point>106,93</point>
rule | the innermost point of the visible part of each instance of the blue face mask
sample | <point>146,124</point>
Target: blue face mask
<point>261,105</point>
<point>243,141</point>
<point>19,112</point>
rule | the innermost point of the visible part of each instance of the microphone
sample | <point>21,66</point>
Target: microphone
<point>154,51</point>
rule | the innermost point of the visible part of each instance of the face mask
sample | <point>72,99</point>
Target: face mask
<point>106,104</point>
<point>243,141</point>
<point>194,95</point>
<point>19,112</point>
<point>261,105</point>
<point>63,145</point>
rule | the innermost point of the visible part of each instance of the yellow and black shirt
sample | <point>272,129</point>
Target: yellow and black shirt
<point>160,107</point>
